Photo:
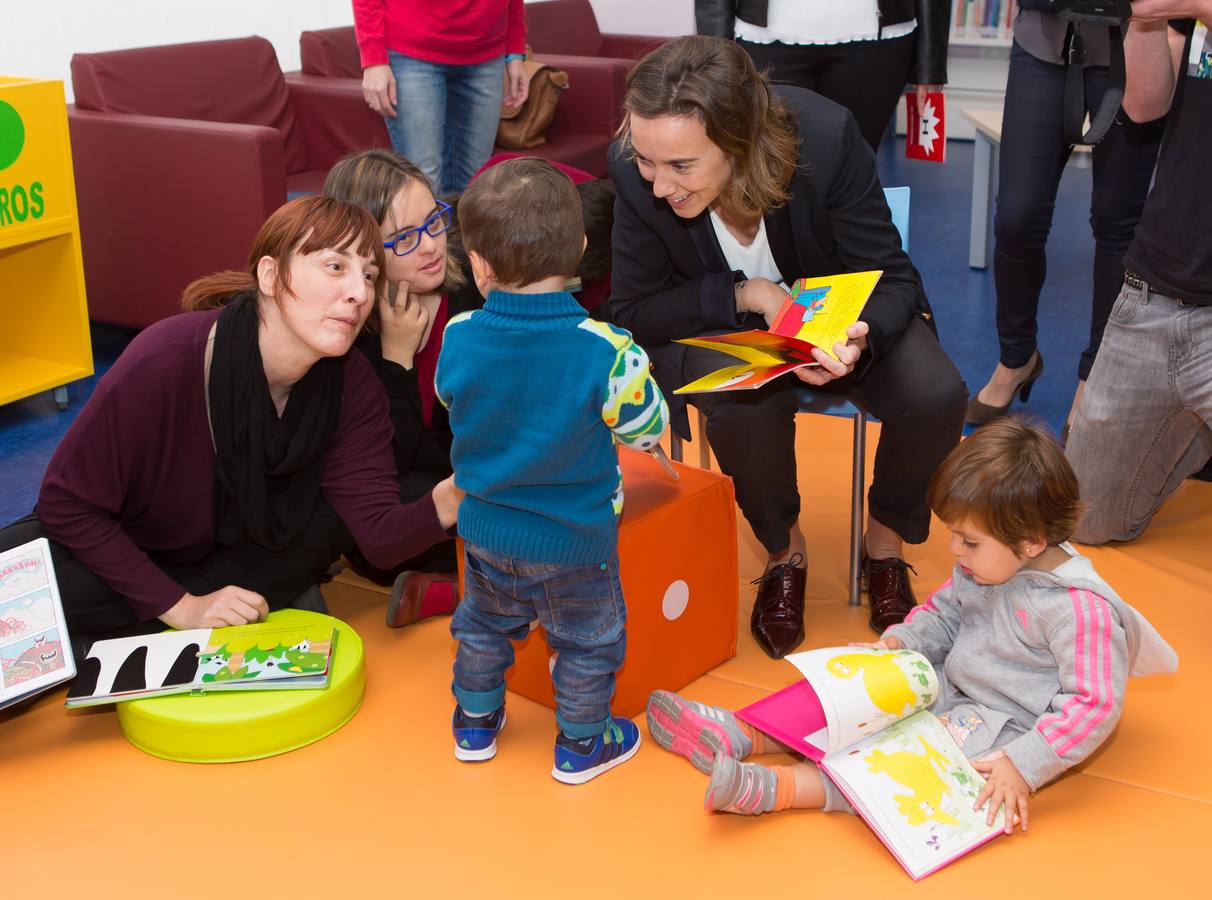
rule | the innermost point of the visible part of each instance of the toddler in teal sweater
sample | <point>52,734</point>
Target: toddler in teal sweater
<point>538,396</point>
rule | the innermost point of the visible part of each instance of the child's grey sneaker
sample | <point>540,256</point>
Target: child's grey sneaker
<point>695,730</point>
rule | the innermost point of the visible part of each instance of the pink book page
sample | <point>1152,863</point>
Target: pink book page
<point>791,716</point>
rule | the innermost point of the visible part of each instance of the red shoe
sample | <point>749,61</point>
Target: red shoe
<point>419,595</point>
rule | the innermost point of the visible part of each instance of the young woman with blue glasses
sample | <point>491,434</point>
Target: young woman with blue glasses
<point>426,285</point>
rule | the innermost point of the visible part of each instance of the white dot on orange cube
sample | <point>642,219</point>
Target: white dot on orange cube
<point>677,597</point>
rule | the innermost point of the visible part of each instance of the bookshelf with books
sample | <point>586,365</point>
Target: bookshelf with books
<point>978,59</point>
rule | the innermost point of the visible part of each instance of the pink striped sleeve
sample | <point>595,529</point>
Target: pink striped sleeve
<point>1093,690</point>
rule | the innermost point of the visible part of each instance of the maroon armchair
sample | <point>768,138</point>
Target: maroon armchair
<point>180,154</point>
<point>570,28</point>
<point>564,33</point>
<point>585,118</point>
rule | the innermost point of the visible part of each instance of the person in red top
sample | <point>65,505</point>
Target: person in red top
<point>433,71</point>
<point>232,453</point>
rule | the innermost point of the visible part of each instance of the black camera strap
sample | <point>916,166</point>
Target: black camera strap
<point>1075,86</point>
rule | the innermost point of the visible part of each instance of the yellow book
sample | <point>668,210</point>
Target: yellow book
<point>817,313</point>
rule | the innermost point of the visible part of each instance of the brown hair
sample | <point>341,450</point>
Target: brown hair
<point>524,217</point>
<point>715,81</point>
<point>304,225</point>
<point>1012,480</point>
<point>371,179</point>
<point>597,211</point>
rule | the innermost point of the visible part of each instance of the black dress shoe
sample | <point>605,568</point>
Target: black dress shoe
<point>777,622</point>
<point>888,591</point>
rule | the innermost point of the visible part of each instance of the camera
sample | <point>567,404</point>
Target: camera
<point>1112,15</point>
<point>1102,12</point>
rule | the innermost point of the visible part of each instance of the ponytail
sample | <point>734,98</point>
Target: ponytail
<point>216,291</point>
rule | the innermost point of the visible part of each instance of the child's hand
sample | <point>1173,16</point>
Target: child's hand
<point>401,328</point>
<point>1003,786</point>
<point>884,643</point>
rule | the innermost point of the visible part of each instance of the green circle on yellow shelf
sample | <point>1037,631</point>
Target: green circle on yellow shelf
<point>12,135</point>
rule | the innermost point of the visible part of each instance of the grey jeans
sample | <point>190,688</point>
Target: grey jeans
<point>1143,424</point>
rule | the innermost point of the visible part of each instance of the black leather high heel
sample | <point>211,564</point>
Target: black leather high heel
<point>979,413</point>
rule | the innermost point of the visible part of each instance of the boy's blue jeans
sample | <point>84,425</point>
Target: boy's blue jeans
<point>580,607</point>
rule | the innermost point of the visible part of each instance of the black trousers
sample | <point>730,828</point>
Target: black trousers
<point>914,390</point>
<point>866,77</point>
<point>1032,158</point>
<point>94,611</point>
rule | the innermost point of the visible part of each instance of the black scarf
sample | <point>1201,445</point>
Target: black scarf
<point>267,469</point>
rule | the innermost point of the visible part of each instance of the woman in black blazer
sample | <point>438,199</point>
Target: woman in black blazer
<point>715,163</point>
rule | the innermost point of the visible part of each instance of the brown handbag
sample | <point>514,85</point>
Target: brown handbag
<point>525,126</point>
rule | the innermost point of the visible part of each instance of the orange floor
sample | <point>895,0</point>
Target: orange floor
<point>382,806</point>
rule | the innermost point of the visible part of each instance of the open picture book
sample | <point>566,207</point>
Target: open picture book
<point>816,313</point>
<point>260,657</point>
<point>35,653</point>
<point>861,716</point>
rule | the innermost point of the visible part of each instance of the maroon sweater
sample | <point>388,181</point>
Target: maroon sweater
<point>134,475</point>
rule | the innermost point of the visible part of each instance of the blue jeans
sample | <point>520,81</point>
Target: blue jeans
<point>580,607</point>
<point>446,117</point>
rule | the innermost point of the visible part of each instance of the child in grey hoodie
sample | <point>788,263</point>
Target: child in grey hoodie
<point>1031,646</point>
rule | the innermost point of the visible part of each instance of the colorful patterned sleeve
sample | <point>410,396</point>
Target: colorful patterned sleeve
<point>635,410</point>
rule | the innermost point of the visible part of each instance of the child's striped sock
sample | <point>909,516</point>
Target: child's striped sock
<point>748,788</point>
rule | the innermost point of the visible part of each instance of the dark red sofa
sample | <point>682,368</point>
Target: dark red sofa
<point>180,154</point>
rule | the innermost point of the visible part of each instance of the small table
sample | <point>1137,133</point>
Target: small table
<point>988,124</point>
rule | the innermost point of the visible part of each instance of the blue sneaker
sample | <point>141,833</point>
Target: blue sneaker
<point>577,761</point>
<point>476,739</point>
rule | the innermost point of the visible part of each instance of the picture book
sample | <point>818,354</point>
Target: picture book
<point>861,716</point>
<point>35,653</point>
<point>260,657</point>
<point>925,128</point>
<point>816,313</point>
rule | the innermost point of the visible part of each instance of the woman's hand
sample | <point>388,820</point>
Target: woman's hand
<point>227,606</point>
<point>401,327</point>
<point>847,356</point>
<point>517,85</point>
<point>922,90</point>
<point>762,296</point>
<point>446,500</point>
<point>1003,786</point>
<point>885,643</point>
<point>379,89</point>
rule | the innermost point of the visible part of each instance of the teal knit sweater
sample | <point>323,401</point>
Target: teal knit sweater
<point>538,396</point>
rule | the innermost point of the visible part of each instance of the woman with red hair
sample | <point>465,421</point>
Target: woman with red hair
<point>232,453</point>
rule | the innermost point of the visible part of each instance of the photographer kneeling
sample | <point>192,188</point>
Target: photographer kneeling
<point>1149,394</point>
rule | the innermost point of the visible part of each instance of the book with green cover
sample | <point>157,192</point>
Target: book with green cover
<point>263,656</point>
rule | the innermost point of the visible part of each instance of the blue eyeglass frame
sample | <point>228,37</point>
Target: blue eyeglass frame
<point>442,210</point>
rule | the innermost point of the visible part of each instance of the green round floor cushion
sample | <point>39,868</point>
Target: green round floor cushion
<point>237,726</point>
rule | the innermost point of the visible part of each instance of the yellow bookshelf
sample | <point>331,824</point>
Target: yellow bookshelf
<point>44,343</point>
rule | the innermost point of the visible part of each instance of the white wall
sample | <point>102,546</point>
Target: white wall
<point>672,17</point>
<point>40,36</point>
